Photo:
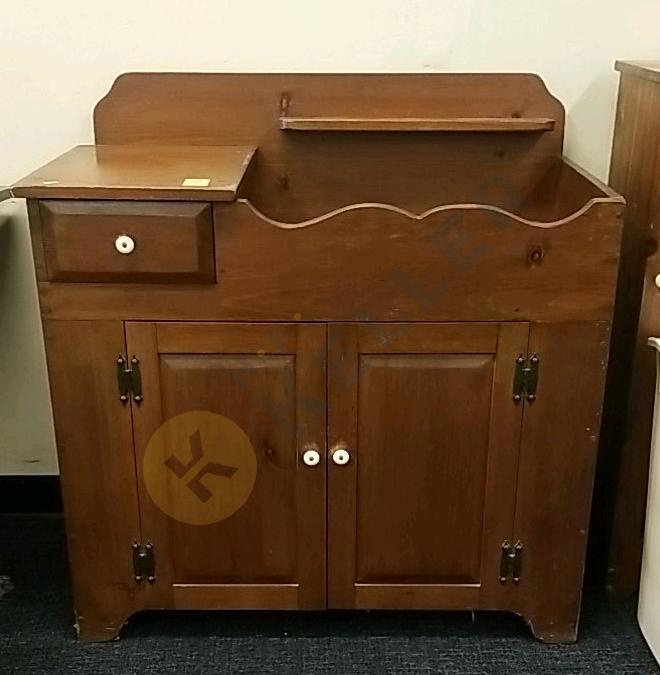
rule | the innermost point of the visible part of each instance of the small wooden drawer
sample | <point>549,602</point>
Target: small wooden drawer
<point>128,241</point>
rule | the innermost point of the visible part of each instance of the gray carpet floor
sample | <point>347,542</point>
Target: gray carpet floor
<point>36,634</point>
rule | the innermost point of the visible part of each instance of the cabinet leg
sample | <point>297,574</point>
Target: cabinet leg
<point>553,632</point>
<point>99,628</point>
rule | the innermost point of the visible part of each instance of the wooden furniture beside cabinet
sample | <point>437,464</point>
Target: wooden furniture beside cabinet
<point>401,302</point>
<point>623,472</point>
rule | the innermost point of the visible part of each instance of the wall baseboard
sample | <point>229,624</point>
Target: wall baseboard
<point>30,494</point>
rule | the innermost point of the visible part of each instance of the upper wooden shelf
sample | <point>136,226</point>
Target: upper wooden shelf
<point>204,173</point>
<point>417,124</point>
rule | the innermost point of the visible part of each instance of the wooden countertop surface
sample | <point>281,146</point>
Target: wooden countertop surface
<point>204,173</point>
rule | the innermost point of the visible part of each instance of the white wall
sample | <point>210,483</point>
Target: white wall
<point>58,58</point>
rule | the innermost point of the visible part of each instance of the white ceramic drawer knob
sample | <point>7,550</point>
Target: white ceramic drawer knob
<point>657,280</point>
<point>311,457</point>
<point>124,244</point>
<point>341,456</point>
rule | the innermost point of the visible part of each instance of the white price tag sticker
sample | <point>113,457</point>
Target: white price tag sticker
<point>196,182</point>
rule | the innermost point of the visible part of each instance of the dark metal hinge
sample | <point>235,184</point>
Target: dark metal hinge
<point>144,562</point>
<point>511,562</point>
<point>526,378</point>
<point>129,380</point>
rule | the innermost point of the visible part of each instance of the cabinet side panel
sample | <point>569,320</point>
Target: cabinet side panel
<point>557,460</point>
<point>618,518</point>
<point>95,449</point>
<point>36,238</point>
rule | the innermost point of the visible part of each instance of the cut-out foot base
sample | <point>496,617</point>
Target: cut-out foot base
<point>101,629</point>
<point>553,632</point>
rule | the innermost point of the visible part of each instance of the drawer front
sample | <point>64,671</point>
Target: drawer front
<point>128,241</point>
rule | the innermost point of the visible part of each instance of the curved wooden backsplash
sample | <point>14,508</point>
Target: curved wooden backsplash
<point>298,175</point>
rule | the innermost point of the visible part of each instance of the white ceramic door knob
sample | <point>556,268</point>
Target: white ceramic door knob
<point>311,457</point>
<point>341,456</point>
<point>124,244</point>
<point>657,280</point>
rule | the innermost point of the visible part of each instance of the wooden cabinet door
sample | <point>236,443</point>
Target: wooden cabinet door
<point>418,514</point>
<point>235,517</point>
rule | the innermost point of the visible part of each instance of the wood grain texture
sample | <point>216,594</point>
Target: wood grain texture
<point>173,241</point>
<point>620,498</point>
<point>422,448</point>
<point>628,505</point>
<point>505,421</point>
<point>234,596</point>
<point>95,453</point>
<point>480,339</point>
<point>298,175</point>
<point>429,458</point>
<point>645,70</point>
<point>454,209</point>
<point>130,172</point>
<point>516,124</point>
<point>372,291</point>
<point>373,265</point>
<point>555,477</point>
<point>226,338</point>
<point>272,547</point>
<point>36,238</point>
<point>342,431</point>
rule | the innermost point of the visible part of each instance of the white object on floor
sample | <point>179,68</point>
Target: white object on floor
<point>648,612</point>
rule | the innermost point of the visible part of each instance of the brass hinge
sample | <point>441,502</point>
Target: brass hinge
<point>144,562</point>
<point>526,378</point>
<point>511,562</point>
<point>129,380</point>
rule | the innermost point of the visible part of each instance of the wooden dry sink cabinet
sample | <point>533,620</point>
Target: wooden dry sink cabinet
<point>393,285</point>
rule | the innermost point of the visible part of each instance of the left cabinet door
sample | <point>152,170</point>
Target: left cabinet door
<point>230,441</point>
<point>97,467</point>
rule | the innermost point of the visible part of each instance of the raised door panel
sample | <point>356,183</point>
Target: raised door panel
<point>418,487</point>
<point>418,515</point>
<point>258,394</point>
<point>235,516</point>
<point>97,467</point>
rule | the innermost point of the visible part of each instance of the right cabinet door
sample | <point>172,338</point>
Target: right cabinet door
<point>424,437</point>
